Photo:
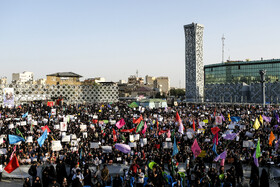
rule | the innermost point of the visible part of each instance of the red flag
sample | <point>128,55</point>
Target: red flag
<point>144,156</point>
<point>215,130</point>
<point>193,125</point>
<point>157,125</point>
<point>178,119</point>
<point>114,135</point>
<point>162,132</point>
<point>137,121</point>
<point>128,130</point>
<point>45,127</point>
<point>94,121</point>
<point>12,165</point>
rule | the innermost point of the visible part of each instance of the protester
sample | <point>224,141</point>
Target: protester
<point>85,135</point>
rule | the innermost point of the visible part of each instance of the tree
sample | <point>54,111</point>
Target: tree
<point>177,92</point>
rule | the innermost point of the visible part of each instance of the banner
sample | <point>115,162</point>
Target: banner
<point>8,97</point>
<point>132,144</point>
<point>106,149</point>
<point>249,144</point>
<point>94,145</point>
<point>167,145</point>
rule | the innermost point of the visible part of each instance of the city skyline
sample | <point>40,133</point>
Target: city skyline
<point>114,39</point>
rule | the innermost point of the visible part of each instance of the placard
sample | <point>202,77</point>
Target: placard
<point>83,127</point>
<point>94,145</point>
<point>29,139</point>
<point>167,145</point>
<point>231,126</point>
<point>168,139</point>
<point>249,144</point>
<point>66,138</point>
<point>144,141</point>
<point>112,122</point>
<point>34,122</point>
<point>132,144</point>
<point>56,126</point>
<point>249,134</point>
<point>74,143</point>
<point>95,117</point>
<point>53,112</point>
<point>73,137</point>
<point>84,134</point>
<point>11,126</point>
<point>63,126</point>
<point>23,123</point>
<point>136,137</point>
<point>106,149</point>
<point>131,138</point>
<point>3,151</point>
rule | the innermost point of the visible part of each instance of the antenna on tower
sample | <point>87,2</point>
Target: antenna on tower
<point>223,47</point>
<point>137,73</point>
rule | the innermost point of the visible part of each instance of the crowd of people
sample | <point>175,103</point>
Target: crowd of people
<point>150,162</point>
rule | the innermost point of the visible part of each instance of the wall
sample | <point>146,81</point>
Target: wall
<point>72,94</point>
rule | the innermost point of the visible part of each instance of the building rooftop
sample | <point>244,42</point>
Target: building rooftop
<point>65,74</point>
<point>239,62</point>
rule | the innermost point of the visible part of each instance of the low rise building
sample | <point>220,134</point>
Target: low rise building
<point>63,78</point>
<point>23,77</point>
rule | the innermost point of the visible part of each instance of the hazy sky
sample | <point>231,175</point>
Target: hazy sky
<point>114,38</point>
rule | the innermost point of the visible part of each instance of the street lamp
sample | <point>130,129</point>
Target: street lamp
<point>262,74</point>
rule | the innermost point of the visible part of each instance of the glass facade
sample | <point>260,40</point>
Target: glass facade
<point>241,71</point>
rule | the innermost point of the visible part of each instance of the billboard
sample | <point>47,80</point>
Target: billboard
<point>8,97</point>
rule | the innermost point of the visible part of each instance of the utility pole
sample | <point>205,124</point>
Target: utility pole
<point>223,48</point>
<point>262,74</point>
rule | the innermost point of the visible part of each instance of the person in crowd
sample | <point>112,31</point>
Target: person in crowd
<point>27,182</point>
<point>105,177</point>
<point>140,178</point>
<point>37,182</point>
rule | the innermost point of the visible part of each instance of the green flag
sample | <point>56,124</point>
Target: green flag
<point>139,126</point>
<point>133,105</point>
<point>258,149</point>
<point>151,165</point>
<point>18,132</point>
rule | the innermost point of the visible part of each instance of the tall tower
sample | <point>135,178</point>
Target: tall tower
<point>194,62</point>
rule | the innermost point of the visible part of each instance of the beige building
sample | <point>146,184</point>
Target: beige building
<point>23,77</point>
<point>63,78</point>
<point>3,80</point>
<point>150,80</point>
<point>163,84</point>
<point>135,80</point>
<point>95,80</point>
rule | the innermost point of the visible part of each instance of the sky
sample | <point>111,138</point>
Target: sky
<point>114,38</point>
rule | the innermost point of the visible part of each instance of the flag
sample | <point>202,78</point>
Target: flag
<point>144,129</point>
<point>42,138</point>
<point>133,105</point>
<point>265,118</point>
<point>18,132</point>
<point>81,153</point>
<point>256,124</point>
<point>175,149</point>
<point>277,118</point>
<point>168,134</point>
<point>261,119</point>
<point>151,165</point>
<point>215,130</point>
<point>25,115</point>
<point>162,132</point>
<point>128,130</point>
<point>235,119</point>
<point>15,147</point>
<point>193,125</point>
<point>15,139</point>
<point>223,117</point>
<point>123,148</point>
<point>178,119</point>
<point>271,138</point>
<point>120,123</point>
<point>109,106</point>
<point>181,128</point>
<point>157,125</point>
<point>214,149</point>
<point>139,126</point>
<point>230,136</point>
<point>215,139</point>
<point>223,155</point>
<point>12,165</point>
<point>45,127</point>
<point>114,135</point>
<point>229,117</point>
<point>257,154</point>
<point>195,148</point>
<point>137,121</point>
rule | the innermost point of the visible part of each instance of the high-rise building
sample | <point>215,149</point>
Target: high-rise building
<point>194,62</point>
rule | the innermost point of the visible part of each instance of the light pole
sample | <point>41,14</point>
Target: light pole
<point>262,74</point>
